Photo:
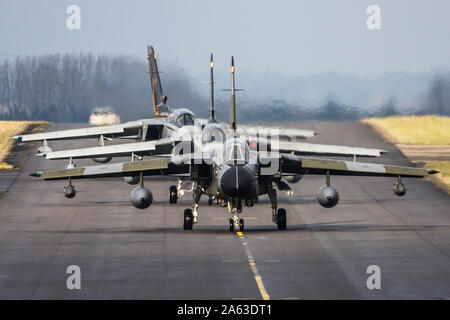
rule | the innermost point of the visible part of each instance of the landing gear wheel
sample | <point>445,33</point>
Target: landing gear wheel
<point>231,225</point>
<point>241,225</point>
<point>281,219</point>
<point>188,219</point>
<point>210,201</point>
<point>173,194</point>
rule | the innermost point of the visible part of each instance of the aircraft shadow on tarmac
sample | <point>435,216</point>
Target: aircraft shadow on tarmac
<point>187,203</point>
<point>340,226</point>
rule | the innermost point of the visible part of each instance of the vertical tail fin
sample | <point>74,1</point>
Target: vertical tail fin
<point>158,97</point>
<point>233,98</point>
<point>211,81</point>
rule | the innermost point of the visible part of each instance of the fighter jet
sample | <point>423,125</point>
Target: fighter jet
<point>233,172</point>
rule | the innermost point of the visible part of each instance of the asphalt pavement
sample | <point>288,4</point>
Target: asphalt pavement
<point>127,253</point>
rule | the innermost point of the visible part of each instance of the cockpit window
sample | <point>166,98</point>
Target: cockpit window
<point>185,119</point>
<point>236,153</point>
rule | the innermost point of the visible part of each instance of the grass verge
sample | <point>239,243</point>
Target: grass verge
<point>413,129</point>
<point>442,178</point>
<point>421,131</point>
<point>13,128</point>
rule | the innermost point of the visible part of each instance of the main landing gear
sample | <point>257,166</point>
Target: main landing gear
<point>173,194</point>
<point>278,215</point>
<point>188,219</point>
<point>281,219</point>
<point>191,215</point>
<point>178,191</point>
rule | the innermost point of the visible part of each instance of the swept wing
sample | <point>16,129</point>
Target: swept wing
<point>155,166</point>
<point>292,164</point>
<point>132,129</point>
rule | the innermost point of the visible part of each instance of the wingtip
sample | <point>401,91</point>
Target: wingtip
<point>35,174</point>
<point>432,171</point>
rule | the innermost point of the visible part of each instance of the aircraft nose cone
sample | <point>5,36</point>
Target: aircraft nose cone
<point>237,182</point>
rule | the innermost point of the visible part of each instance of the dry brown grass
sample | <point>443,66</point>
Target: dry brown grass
<point>413,129</point>
<point>13,128</point>
<point>414,135</point>
<point>443,177</point>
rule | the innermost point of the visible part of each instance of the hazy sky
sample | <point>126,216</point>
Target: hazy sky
<point>287,37</point>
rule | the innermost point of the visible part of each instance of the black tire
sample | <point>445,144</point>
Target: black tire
<point>173,194</point>
<point>188,219</point>
<point>241,225</point>
<point>281,219</point>
<point>210,201</point>
<point>231,225</point>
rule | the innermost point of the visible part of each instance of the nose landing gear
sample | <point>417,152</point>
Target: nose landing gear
<point>236,224</point>
<point>235,208</point>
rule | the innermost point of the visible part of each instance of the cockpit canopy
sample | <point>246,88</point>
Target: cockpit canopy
<point>213,132</point>
<point>236,152</point>
<point>183,117</point>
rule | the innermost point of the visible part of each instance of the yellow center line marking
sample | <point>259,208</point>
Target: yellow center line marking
<point>218,218</point>
<point>272,261</point>
<point>224,237</point>
<point>251,262</point>
<point>260,237</point>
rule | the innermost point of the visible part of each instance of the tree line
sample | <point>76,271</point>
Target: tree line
<point>67,87</point>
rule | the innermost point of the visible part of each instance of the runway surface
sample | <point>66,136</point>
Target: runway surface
<point>126,253</point>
